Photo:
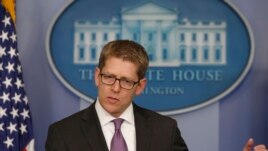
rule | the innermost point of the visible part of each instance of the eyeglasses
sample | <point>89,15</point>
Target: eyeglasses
<point>124,83</point>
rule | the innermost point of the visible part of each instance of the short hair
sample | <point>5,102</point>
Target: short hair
<point>127,50</point>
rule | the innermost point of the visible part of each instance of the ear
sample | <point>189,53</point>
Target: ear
<point>96,76</point>
<point>141,86</point>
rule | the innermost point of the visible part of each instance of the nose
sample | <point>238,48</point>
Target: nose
<point>116,86</point>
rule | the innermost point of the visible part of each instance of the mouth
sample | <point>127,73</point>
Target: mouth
<point>112,100</point>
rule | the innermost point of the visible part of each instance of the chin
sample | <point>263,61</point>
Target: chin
<point>111,109</point>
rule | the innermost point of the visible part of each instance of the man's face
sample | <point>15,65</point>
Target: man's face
<point>113,98</point>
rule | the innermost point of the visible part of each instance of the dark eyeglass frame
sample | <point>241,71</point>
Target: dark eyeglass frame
<point>119,79</point>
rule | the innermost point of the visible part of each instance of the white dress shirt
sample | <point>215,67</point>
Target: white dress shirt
<point>127,128</point>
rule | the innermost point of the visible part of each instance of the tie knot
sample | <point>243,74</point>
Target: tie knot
<point>117,123</point>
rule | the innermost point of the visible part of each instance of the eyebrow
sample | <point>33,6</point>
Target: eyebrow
<point>123,77</point>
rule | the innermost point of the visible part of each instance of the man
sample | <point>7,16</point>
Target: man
<point>119,77</point>
<point>249,146</point>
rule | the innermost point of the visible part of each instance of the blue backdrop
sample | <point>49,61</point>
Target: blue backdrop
<point>222,126</point>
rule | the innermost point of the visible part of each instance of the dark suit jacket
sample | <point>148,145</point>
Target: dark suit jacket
<point>82,132</point>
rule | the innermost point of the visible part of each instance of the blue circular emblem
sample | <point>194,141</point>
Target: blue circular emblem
<point>199,50</point>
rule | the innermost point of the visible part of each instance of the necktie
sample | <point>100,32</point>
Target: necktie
<point>118,142</point>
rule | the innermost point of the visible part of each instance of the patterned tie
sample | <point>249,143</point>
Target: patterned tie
<point>118,142</point>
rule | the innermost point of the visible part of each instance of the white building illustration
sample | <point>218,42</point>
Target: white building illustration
<point>168,40</point>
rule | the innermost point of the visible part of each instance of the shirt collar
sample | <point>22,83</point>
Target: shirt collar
<point>106,117</point>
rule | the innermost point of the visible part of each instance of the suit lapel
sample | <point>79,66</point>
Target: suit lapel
<point>143,129</point>
<point>92,130</point>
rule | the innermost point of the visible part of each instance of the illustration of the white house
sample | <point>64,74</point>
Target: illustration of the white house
<point>168,40</point>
